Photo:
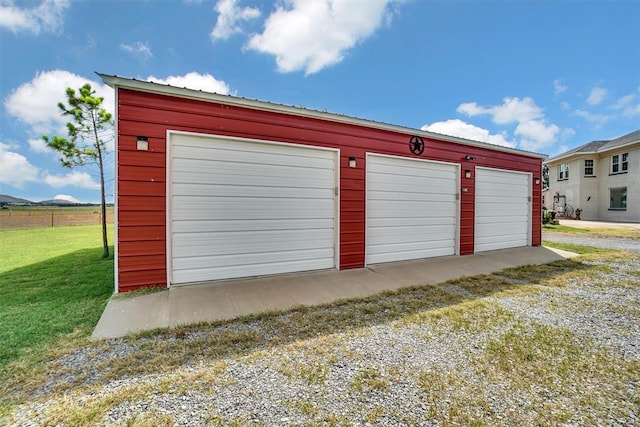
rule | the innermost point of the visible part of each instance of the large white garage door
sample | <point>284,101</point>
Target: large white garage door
<point>242,208</point>
<point>503,209</point>
<point>411,209</point>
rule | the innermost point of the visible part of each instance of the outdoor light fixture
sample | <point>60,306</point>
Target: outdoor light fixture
<point>352,162</point>
<point>468,158</point>
<point>467,173</point>
<point>537,181</point>
<point>143,143</point>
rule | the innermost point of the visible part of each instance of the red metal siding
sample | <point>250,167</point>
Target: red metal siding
<point>142,175</point>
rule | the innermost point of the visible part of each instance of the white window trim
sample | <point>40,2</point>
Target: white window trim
<point>617,160</point>
<point>592,167</point>
<point>622,189</point>
<point>563,175</point>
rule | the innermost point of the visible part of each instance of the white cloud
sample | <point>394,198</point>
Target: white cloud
<point>229,16</point>
<point>627,105</point>
<point>632,110</point>
<point>73,178</point>
<point>511,110</point>
<point>311,35</point>
<point>139,49</point>
<point>471,109</point>
<point>39,146</point>
<point>597,119</point>
<point>536,134</point>
<point>456,127</point>
<point>596,96</point>
<point>558,87</point>
<point>567,133</point>
<point>531,122</point>
<point>66,198</point>
<point>15,169</point>
<point>624,101</point>
<point>36,102</point>
<point>48,16</point>
<point>193,80</point>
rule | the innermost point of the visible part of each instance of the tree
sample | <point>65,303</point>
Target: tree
<point>545,176</point>
<point>85,144</point>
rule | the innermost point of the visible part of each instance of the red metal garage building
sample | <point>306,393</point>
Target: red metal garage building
<point>214,187</point>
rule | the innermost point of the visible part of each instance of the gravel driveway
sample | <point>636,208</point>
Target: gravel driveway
<point>469,362</point>
<point>622,244</point>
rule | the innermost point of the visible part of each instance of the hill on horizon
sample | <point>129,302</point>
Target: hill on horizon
<point>6,199</point>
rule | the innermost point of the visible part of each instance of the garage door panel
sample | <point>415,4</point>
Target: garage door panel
<point>413,196</point>
<point>214,190</point>
<point>411,209</point>
<point>233,272</point>
<point>236,151</point>
<point>509,221</point>
<point>205,226</point>
<point>281,178</point>
<point>394,235</point>
<point>491,244</point>
<point>391,253</point>
<point>502,209</point>
<point>498,199</point>
<point>505,211</point>
<point>397,166</point>
<point>188,208</point>
<point>501,228</point>
<point>438,185</point>
<point>498,177</point>
<point>244,147</point>
<point>261,161</point>
<point>254,242</point>
<point>215,169</point>
<point>415,214</point>
<point>401,222</point>
<point>222,261</point>
<point>245,208</point>
<point>499,190</point>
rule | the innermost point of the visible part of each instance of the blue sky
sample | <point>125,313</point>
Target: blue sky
<point>543,76</point>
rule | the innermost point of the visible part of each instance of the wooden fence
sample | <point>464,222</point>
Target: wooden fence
<point>25,218</point>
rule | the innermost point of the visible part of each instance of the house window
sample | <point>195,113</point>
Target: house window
<point>588,167</point>
<point>620,163</point>
<point>563,172</point>
<point>618,198</point>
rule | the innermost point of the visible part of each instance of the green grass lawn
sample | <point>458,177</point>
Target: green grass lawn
<point>54,285</point>
<point>629,233</point>
<point>576,249</point>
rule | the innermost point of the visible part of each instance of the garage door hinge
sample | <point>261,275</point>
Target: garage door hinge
<point>335,190</point>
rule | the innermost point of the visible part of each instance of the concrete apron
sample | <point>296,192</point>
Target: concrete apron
<point>182,305</point>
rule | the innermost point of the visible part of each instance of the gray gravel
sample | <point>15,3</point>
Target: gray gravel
<point>623,244</point>
<point>372,375</point>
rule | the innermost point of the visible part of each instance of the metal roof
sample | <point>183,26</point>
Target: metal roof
<point>148,86</point>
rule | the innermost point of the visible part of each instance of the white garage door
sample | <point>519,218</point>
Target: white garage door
<point>242,208</point>
<point>411,209</point>
<point>503,209</point>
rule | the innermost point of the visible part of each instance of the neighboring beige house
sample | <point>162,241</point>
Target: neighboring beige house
<point>601,178</point>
